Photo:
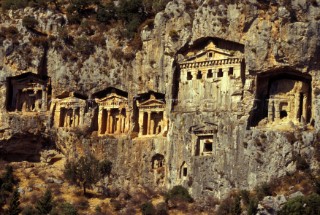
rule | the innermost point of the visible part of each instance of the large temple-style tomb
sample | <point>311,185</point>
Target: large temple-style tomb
<point>114,114</point>
<point>211,77</point>
<point>152,118</point>
<point>69,111</point>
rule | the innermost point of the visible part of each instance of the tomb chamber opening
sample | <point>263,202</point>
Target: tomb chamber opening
<point>282,96</point>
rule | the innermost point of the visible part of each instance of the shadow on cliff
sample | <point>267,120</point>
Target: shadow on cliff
<point>24,147</point>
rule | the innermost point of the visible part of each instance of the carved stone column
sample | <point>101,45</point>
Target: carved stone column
<point>81,116</point>
<point>118,123</point>
<point>149,123</point>
<point>44,100</point>
<point>73,117</point>
<point>57,116</point>
<point>108,121</point>
<point>270,110</point>
<point>277,110</point>
<point>141,114</point>
<point>304,107</point>
<point>127,121</point>
<point>100,120</point>
<point>111,124</point>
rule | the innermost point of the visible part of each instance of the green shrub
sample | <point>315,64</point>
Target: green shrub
<point>309,205</point>
<point>252,207</point>
<point>263,190</point>
<point>44,204</point>
<point>230,205</point>
<point>14,205</point>
<point>179,193</point>
<point>245,196</point>
<point>147,208</point>
<point>106,13</point>
<point>86,171</point>
<point>66,209</point>
<point>301,163</point>
<point>29,22</point>
<point>162,209</point>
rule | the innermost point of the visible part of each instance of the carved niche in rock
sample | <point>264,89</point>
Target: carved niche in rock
<point>211,77</point>
<point>113,117</point>
<point>69,110</point>
<point>183,170</point>
<point>204,136</point>
<point>28,93</point>
<point>152,117</point>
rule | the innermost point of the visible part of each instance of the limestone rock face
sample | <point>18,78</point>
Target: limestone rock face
<point>239,88</point>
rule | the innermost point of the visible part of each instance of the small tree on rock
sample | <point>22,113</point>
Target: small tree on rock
<point>86,171</point>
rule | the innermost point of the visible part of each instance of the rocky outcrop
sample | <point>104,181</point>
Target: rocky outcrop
<point>235,143</point>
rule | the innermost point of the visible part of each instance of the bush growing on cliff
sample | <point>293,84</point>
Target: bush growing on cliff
<point>231,205</point>
<point>147,208</point>
<point>178,193</point>
<point>86,171</point>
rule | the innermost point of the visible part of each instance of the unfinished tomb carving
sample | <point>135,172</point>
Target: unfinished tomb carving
<point>288,100</point>
<point>28,92</point>
<point>113,117</point>
<point>152,117</point>
<point>282,96</point>
<point>69,111</point>
<point>211,77</point>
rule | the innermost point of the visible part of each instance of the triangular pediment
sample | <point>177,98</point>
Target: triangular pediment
<point>152,102</point>
<point>72,99</point>
<point>29,79</point>
<point>208,54</point>
<point>112,97</point>
<point>204,128</point>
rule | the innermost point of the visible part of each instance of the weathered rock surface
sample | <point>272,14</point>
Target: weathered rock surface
<point>278,37</point>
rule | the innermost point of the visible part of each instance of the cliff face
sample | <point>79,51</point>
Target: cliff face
<point>224,129</point>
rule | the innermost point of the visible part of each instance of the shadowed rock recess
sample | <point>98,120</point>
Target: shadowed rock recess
<point>222,95</point>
